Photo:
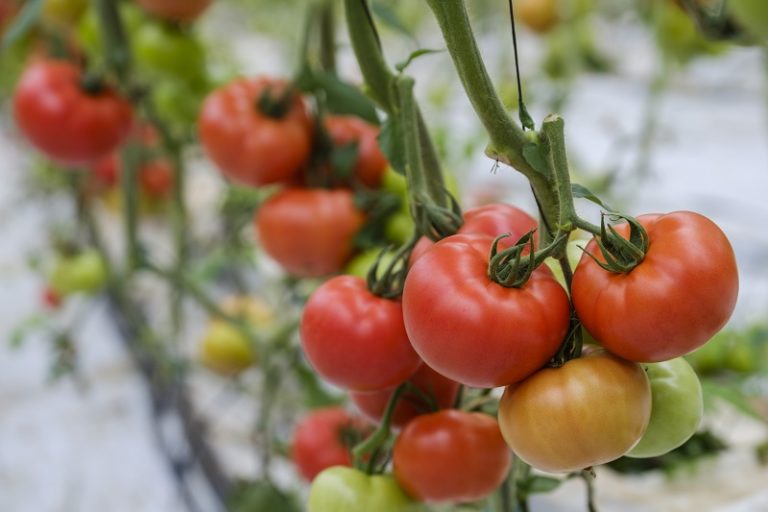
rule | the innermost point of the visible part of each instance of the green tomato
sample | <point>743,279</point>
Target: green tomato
<point>362,263</point>
<point>343,489</point>
<point>64,12</point>
<point>711,357</point>
<point>677,406</point>
<point>165,51</point>
<point>742,357</point>
<point>395,183</point>
<point>399,228</point>
<point>177,103</point>
<point>752,15</point>
<point>84,272</point>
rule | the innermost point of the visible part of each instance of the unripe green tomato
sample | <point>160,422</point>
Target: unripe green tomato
<point>84,272</point>
<point>395,183</point>
<point>752,15</point>
<point>711,357</point>
<point>399,228</point>
<point>64,12</point>
<point>342,489</point>
<point>677,406</point>
<point>164,51</point>
<point>176,102</point>
<point>362,263</point>
<point>742,357</point>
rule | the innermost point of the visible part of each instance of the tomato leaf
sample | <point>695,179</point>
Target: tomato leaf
<point>314,393</point>
<point>24,22</point>
<point>340,97</point>
<point>261,496</point>
<point>388,16</point>
<point>580,191</point>
<point>542,484</point>
<point>391,144</point>
<point>25,328</point>
<point>415,55</point>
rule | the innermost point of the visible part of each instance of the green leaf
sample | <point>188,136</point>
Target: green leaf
<point>391,144</point>
<point>261,496</point>
<point>24,22</point>
<point>25,328</point>
<point>315,394</point>
<point>388,16</point>
<point>733,395</point>
<point>542,484</point>
<point>340,97</point>
<point>580,191</point>
<point>532,155</point>
<point>415,55</point>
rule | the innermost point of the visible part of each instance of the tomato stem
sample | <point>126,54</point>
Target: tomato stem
<point>379,436</point>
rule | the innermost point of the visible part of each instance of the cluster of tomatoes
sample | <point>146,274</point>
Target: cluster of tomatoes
<point>261,132</point>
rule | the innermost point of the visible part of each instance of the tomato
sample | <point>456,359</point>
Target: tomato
<point>64,12</point>
<point>451,456</point>
<point>474,330</point>
<point>66,122</point>
<point>371,163</point>
<point>321,439</point>
<point>175,10</point>
<point>224,348</point>
<point>341,489</point>
<point>309,232</point>
<point>399,228</point>
<point>677,407</point>
<point>492,220</point>
<point>538,15</point>
<point>355,339</point>
<point>84,272</point>
<point>590,411</point>
<point>177,102</point>
<point>676,299</point>
<point>163,51</point>
<point>51,299</point>
<point>246,143</point>
<point>155,176</point>
<point>439,391</point>
<point>753,15</point>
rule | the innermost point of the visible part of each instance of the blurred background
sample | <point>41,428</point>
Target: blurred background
<point>658,118</point>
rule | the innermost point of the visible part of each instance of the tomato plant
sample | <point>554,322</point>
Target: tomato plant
<point>590,411</point>
<point>257,131</point>
<point>341,489</point>
<point>451,456</point>
<point>677,406</point>
<point>355,339</point>
<point>474,330</point>
<point>309,232</point>
<point>67,116</point>
<point>676,299</point>
<point>175,10</point>
<point>322,440</point>
<point>370,164</point>
<point>433,391</point>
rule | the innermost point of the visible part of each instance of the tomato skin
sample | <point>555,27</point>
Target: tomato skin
<point>590,411</point>
<point>538,15</point>
<point>175,10</point>
<point>491,219</point>
<point>249,146</point>
<point>318,441</point>
<point>677,406</point>
<point>341,489</point>
<point>310,232</point>
<point>69,125</point>
<point>473,330</point>
<point>676,299</point>
<point>371,163</point>
<point>451,456</point>
<point>355,339</point>
<point>440,389</point>
<point>84,272</point>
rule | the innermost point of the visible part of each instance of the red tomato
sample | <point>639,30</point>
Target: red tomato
<point>51,298</point>
<point>440,390</point>
<point>175,10</point>
<point>676,299</point>
<point>492,220</point>
<point>371,163</point>
<point>247,144</point>
<point>355,339</point>
<point>451,456</point>
<point>65,121</point>
<point>309,232</point>
<point>590,411</point>
<point>319,440</point>
<point>474,330</point>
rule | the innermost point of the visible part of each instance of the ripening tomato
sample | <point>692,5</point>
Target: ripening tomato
<point>83,272</point>
<point>676,299</point>
<point>341,489</point>
<point>590,411</point>
<point>256,131</point>
<point>451,456</point>
<point>435,392</point>
<point>473,330</point>
<point>538,15</point>
<point>677,406</point>
<point>309,232</point>
<point>492,220</point>
<point>355,339</point>
<point>175,10</point>
<point>68,119</point>
<point>371,163</point>
<point>323,439</point>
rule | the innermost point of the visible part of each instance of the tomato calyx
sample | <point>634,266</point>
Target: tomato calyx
<point>512,267</point>
<point>390,284</point>
<point>369,449</point>
<point>434,221</point>
<point>92,84</point>
<point>621,254</point>
<point>275,106</point>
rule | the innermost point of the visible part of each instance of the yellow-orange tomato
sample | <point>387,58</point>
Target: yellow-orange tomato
<point>538,15</point>
<point>590,411</point>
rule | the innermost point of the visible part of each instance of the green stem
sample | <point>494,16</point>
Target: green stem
<point>553,135</point>
<point>381,434</point>
<point>118,54</point>
<point>129,188</point>
<point>328,37</point>
<point>520,474</point>
<point>431,163</point>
